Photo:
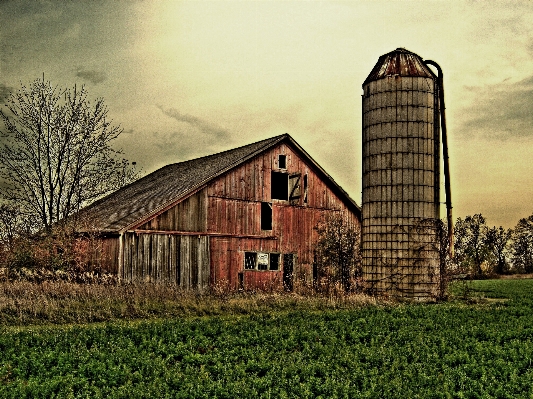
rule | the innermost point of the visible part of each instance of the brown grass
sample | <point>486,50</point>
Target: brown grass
<point>515,276</point>
<point>61,302</point>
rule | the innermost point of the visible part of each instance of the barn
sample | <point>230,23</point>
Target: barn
<point>242,218</point>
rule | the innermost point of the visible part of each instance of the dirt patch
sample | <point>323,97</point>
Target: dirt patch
<point>516,276</point>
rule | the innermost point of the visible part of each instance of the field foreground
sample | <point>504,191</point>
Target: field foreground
<point>270,346</point>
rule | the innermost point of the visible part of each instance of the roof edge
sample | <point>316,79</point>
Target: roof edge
<point>350,201</point>
<point>200,185</point>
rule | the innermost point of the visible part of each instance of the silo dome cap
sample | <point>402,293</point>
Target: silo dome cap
<point>400,62</point>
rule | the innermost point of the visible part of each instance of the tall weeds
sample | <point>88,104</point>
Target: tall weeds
<point>63,302</point>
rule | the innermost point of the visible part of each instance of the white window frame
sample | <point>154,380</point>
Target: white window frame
<point>263,255</point>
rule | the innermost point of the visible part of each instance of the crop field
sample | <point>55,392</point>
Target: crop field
<point>479,345</point>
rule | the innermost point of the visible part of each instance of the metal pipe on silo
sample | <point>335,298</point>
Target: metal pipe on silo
<point>447,184</point>
<point>401,177</point>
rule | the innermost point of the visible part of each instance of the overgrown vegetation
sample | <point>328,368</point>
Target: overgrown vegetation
<point>62,302</point>
<point>337,255</point>
<point>59,254</point>
<point>270,350</point>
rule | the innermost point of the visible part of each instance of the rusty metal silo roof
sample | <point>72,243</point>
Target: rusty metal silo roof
<point>399,62</point>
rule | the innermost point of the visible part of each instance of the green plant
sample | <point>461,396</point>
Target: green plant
<point>392,351</point>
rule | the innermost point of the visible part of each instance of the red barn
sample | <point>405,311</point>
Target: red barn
<point>242,218</point>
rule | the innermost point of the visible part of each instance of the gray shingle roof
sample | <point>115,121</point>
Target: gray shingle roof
<point>141,199</point>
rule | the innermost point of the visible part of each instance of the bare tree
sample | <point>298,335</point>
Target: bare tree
<point>57,155</point>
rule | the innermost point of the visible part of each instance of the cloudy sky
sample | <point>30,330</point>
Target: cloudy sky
<point>190,78</point>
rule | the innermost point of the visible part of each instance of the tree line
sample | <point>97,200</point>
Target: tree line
<point>483,250</point>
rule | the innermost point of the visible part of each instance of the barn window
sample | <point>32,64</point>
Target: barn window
<point>279,186</point>
<point>266,216</point>
<point>282,161</point>
<point>274,261</point>
<point>250,259</point>
<point>261,261</point>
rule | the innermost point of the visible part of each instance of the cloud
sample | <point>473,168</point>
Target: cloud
<point>94,77</point>
<point>177,144</point>
<point>500,111</point>
<point>5,91</point>
<point>191,138</point>
<point>193,121</point>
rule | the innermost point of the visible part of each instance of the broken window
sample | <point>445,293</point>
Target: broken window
<point>279,186</point>
<point>250,260</point>
<point>261,261</point>
<point>266,216</point>
<point>282,161</point>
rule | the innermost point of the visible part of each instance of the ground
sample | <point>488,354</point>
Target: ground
<point>272,346</point>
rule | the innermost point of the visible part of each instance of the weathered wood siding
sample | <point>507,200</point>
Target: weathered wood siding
<point>188,215</point>
<point>227,260</point>
<point>203,239</point>
<point>109,254</point>
<point>167,258</point>
<point>234,211</point>
<point>99,253</point>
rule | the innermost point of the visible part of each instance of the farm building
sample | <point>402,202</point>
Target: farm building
<point>243,218</point>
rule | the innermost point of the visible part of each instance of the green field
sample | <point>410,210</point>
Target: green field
<point>480,346</point>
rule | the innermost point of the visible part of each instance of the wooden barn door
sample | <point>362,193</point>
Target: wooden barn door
<point>175,259</point>
<point>288,271</point>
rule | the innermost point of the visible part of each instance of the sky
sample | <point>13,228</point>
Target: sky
<point>190,78</point>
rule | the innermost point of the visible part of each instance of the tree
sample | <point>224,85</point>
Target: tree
<point>337,252</point>
<point>11,225</point>
<point>522,248</point>
<point>471,250</point>
<point>57,155</point>
<point>497,241</point>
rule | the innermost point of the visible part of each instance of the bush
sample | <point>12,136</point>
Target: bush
<point>60,254</point>
<point>337,255</point>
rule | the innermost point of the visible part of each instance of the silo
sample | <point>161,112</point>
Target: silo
<point>400,204</point>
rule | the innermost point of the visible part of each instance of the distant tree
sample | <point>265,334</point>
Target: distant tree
<point>10,225</point>
<point>497,240</point>
<point>522,248</point>
<point>14,229</point>
<point>57,155</point>
<point>470,246</point>
<point>337,252</point>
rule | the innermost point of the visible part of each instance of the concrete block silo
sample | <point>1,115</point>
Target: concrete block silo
<point>401,172</point>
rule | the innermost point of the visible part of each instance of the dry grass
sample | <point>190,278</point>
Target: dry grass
<point>61,302</point>
<point>515,276</point>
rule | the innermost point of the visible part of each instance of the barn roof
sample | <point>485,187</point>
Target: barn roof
<point>140,200</point>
